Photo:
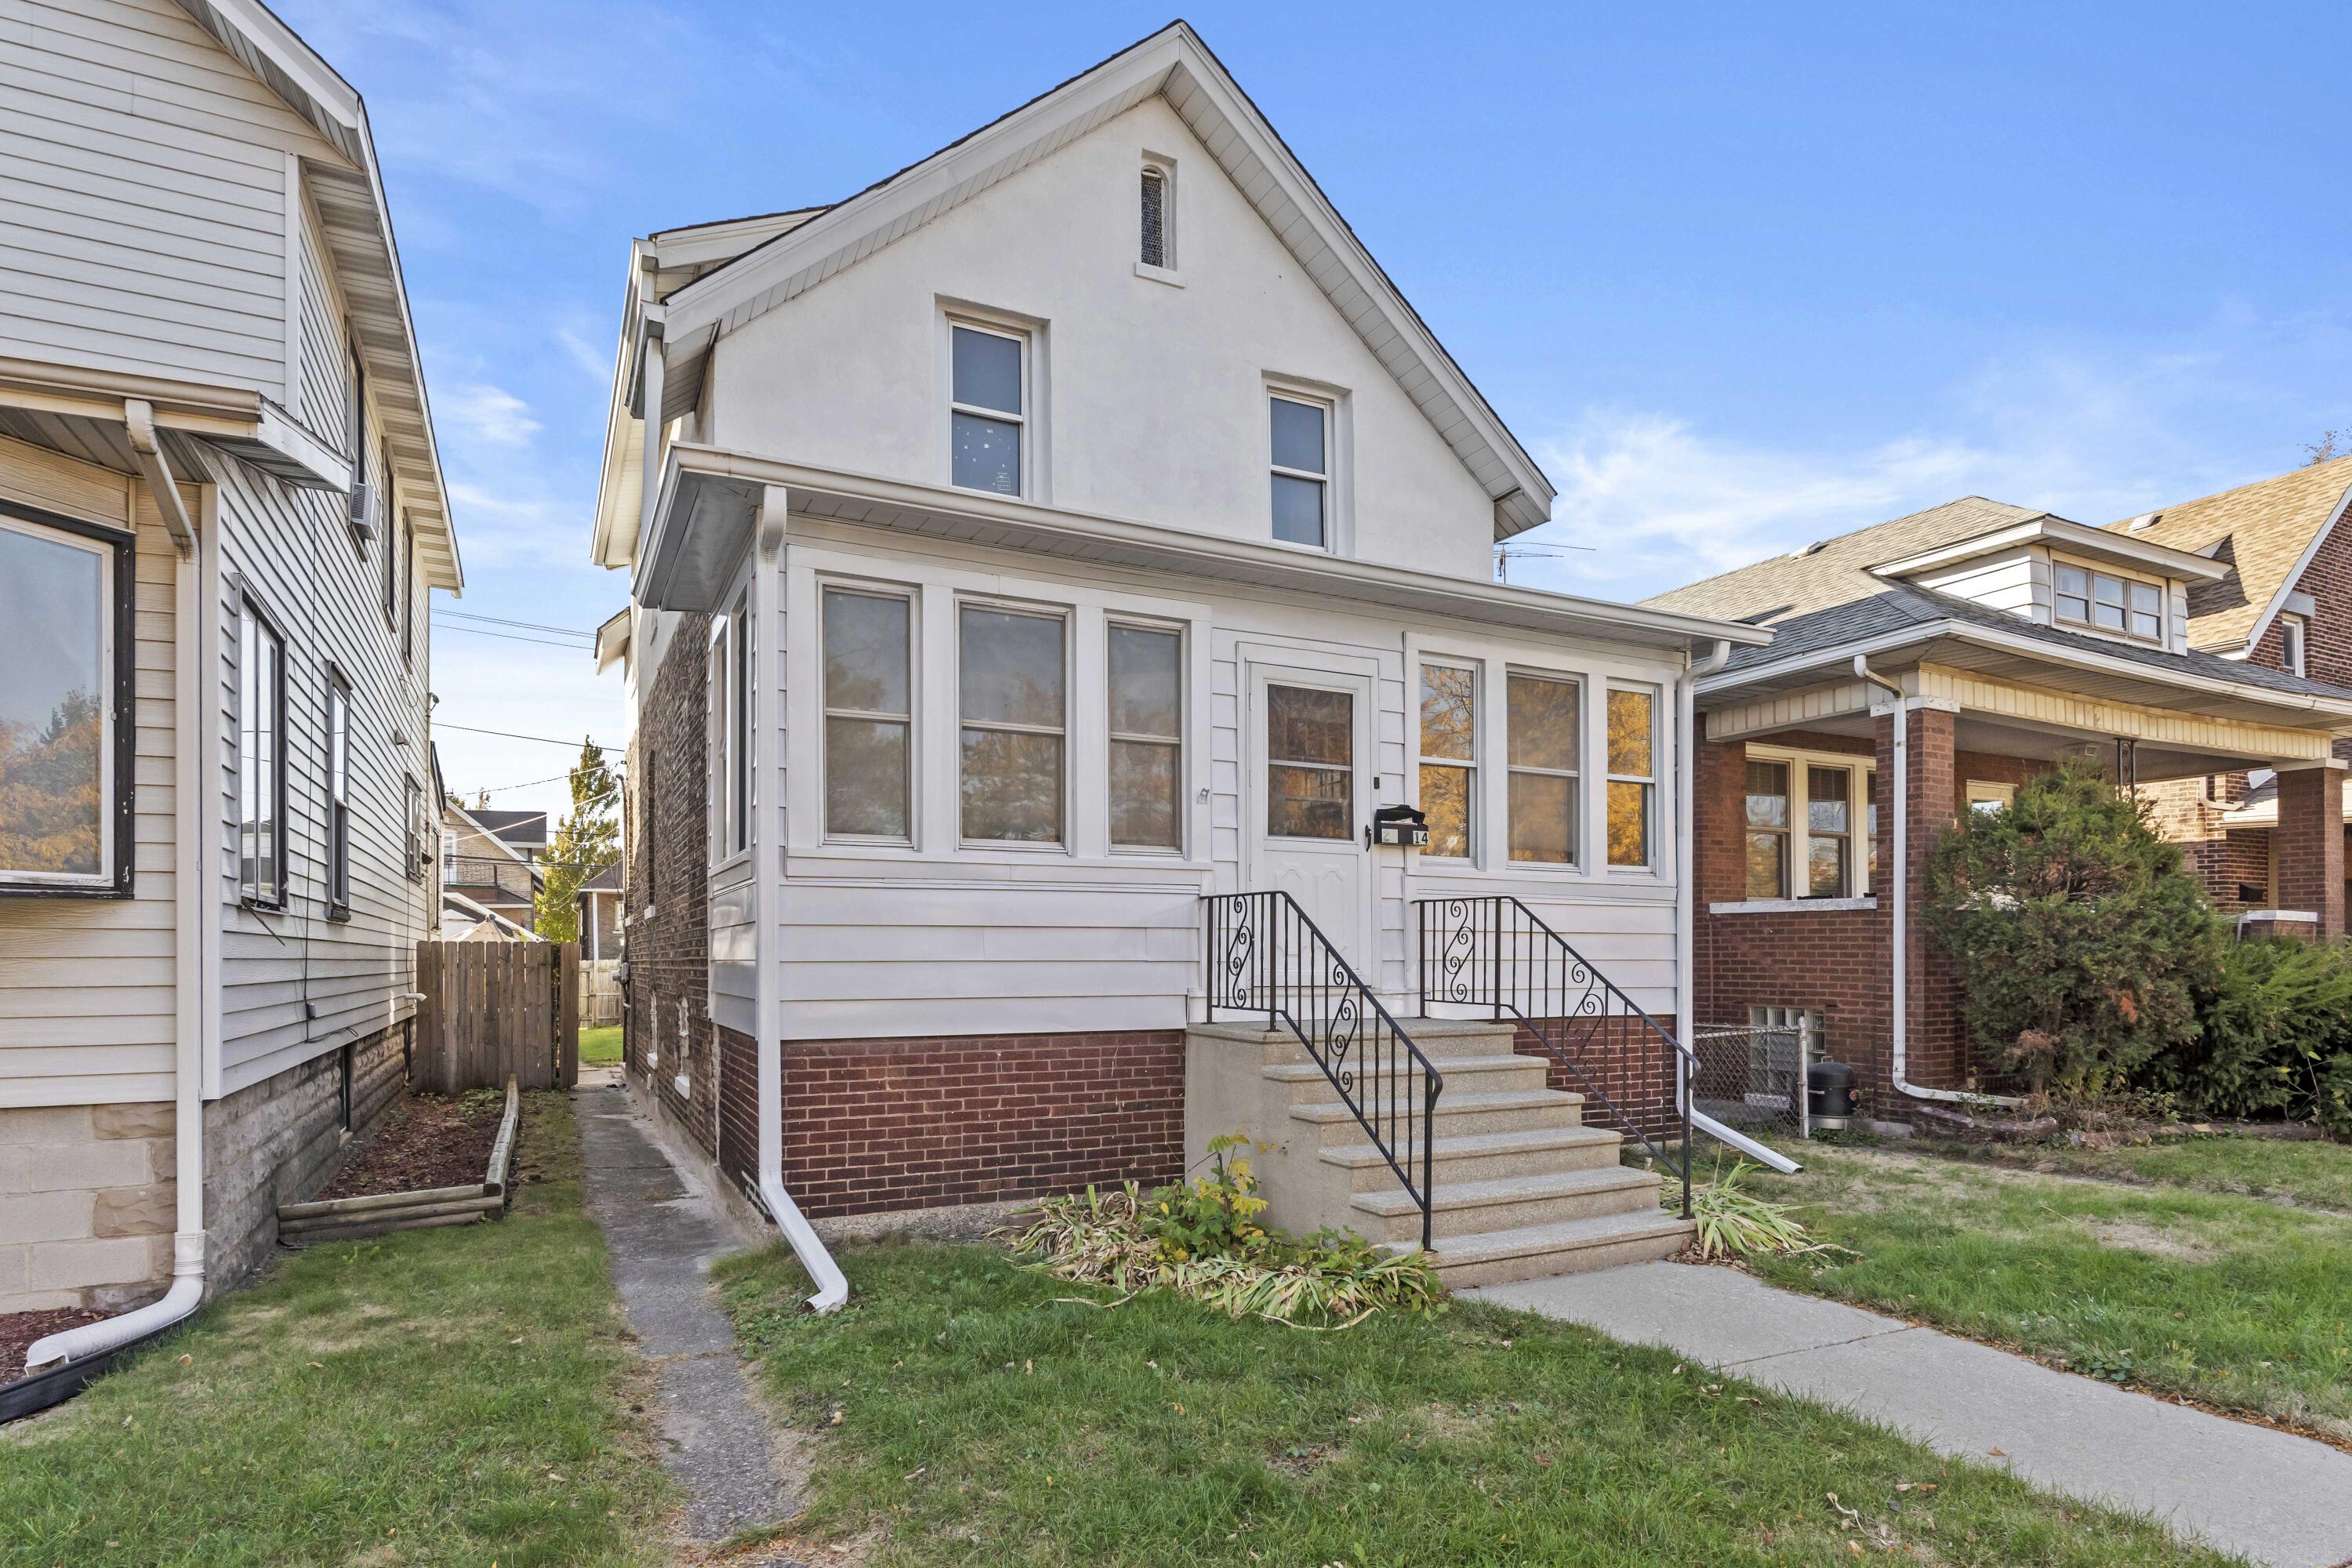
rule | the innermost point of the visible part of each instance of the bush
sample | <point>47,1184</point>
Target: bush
<point>2274,1038</point>
<point>2082,944</point>
<point>1735,1223</point>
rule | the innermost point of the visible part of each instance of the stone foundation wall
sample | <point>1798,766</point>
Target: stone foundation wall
<point>86,1204</point>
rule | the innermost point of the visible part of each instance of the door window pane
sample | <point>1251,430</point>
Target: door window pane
<point>1012,680</point>
<point>867,722</point>
<point>1310,743</point>
<point>56,704</point>
<point>1146,745</point>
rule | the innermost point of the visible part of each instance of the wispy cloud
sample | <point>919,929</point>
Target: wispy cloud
<point>594,363</point>
<point>491,415</point>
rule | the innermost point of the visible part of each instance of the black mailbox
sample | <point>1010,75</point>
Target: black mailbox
<point>1399,824</point>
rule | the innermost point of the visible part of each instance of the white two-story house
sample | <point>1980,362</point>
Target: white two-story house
<point>221,515</point>
<point>1033,554</point>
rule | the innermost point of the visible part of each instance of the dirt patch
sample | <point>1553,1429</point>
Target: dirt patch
<point>1303,1459</point>
<point>2148,1239</point>
<point>19,1330</point>
<point>424,1141</point>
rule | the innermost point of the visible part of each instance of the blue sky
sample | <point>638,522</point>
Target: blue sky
<point>1739,277</point>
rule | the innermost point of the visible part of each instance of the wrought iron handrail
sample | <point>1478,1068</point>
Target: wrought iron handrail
<point>1266,955</point>
<point>1492,951</point>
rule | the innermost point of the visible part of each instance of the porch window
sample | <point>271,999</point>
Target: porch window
<point>1013,681</point>
<point>1449,775</point>
<point>988,400</point>
<point>65,719</point>
<point>1828,831</point>
<point>1545,714</point>
<point>1302,470</point>
<point>867,715</point>
<point>339,795</point>
<point>261,760</point>
<point>1767,829</point>
<point>1986,797</point>
<point>2107,603</point>
<point>1310,762</point>
<point>1146,746</point>
<point>1633,776</point>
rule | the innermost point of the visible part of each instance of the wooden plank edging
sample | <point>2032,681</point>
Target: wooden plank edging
<point>494,1183</point>
<point>362,1204</point>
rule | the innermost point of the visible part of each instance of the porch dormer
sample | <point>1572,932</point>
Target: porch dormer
<point>2063,574</point>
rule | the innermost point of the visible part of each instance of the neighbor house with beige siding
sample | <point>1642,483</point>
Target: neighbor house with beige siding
<point>221,516</point>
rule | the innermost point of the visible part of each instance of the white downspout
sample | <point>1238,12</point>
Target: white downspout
<point>767,873</point>
<point>190,910</point>
<point>1902,877</point>
<point>1687,905</point>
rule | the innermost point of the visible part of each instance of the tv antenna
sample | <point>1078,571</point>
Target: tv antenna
<point>1533,550</point>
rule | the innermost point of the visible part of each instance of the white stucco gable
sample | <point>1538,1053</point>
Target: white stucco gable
<point>1174,73</point>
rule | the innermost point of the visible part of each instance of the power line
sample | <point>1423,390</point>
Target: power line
<point>509,734</point>
<point>517,637</point>
<point>502,621</point>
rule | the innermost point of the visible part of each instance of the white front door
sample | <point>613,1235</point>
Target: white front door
<point>1308,797</point>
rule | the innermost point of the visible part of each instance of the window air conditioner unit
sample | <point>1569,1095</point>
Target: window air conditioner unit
<point>362,516</point>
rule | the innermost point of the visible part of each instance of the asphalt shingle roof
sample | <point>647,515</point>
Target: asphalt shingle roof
<point>2261,531</point>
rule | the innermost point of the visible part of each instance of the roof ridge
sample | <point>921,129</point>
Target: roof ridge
<point>2296,472</point>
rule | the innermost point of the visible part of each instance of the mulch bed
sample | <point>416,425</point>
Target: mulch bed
<point>424,1141</point>
<point>19,1330</point>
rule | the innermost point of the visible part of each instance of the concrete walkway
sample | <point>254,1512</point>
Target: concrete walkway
<point>2271,1497</point>
<point>664,1234</point>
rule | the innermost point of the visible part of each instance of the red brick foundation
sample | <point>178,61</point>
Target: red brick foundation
<point>878,1125</point>
<point>1619,1058</point>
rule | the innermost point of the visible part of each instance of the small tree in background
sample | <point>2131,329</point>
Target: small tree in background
<point>2082,943</point>
<point>587,840</point>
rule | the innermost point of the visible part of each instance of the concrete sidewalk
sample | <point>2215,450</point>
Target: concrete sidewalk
<point>2271,1497</point>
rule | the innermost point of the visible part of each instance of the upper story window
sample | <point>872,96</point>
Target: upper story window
<point>1302,469</point>
<point>1449,790</point>
<point>261,759</point>
<point>391,571</point>
<point>988,392</point>
<point>408,606</point>
<point>65,719</point>
<point>1157,250</point>
<point>1012,681</point>
<point>339,795</point>
<point>2291,644</point>
<point>730,709</point>
<point>1546,715</point>
<point>2106,602</point>
<point>412,798</point>
<point>1633,777</point>
<point>868,714</point>
<point>1147,744</point>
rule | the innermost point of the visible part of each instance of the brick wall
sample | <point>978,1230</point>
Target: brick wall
<point>1621,1059</point>
<point>877,1125</point>
<point>738,1109</point>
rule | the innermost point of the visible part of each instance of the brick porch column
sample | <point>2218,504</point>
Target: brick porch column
<point>2310,843</point>
<point>1937,1048</point>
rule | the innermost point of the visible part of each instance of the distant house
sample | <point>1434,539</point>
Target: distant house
<point>524,832</point>
<point>488,859</point>
<point>463,919</point>
<point>600,946</point>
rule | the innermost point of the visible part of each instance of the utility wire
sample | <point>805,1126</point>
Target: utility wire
<point>509,734</point>
<point>501,621</point>
<point>518,636</point>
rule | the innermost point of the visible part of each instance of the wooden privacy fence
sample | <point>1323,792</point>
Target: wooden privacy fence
<point>495,1010</point>
<point>600,991</point>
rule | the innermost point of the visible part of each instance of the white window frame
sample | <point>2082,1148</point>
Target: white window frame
<point>2295,644</point>
<point>1978,793</point>
<point>1648,867</point>
<point>1065,615</point>
<point>1328,409</point>
<point>742,731</point>
<point>1026,340</point>
<point>251,893</point>
<point>336,765</point>
<point>912,720</point>
<point>1113,623</point>
<point>1474,813</point>
<point>116,777</point>
<point>1786,832</point>
<point>1859,838</point>
<point>1580,802</point>
<point>2089,598</point>
<point>719,673</point>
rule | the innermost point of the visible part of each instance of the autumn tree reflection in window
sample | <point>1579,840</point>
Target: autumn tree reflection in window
<point>56,593</point>
<point>1448,734</point>
<point>1633,776</point>
<point>1012,683</point>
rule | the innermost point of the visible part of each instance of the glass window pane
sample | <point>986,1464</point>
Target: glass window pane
<point>866,777</point>
<point>1146,682</point>
<point>1870,816</point>
<point>1766,855</point>
<point>1543,818</point>
<point>1629,731</point>
<point>1155,194</point>
<point>987,371</point>
<point>1146,787</point>
<point>1298,435</point>
<point>1768,794</point>
<point>987,455</point>
<point>865,652</point>
<point>2073,580</point>
<point>2144,596</point>
<point>1825,867</point>
<point>2111,616</point>
<point>1543,722</point>
<point>1307,725</point>
<point>1011,786</point>
<point>1311,803</point>
<point>54,697</point>
<point>1298,510</point>
<point>2106,590</point>
<point>1012,668</point>
<point>2072,607</point>
<point>2143,626</point>
<point>1828,799</point>
<point>1447,722</point>
<point>1629,823</point>
<point>1445,801</point>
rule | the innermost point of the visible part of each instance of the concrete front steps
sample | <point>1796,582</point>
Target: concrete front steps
<point>1522,1190</point>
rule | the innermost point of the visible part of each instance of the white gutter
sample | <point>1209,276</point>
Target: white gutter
<point>1902,876</point>
<point>767,883</point>
<point>190,912</point>
<point>1686,905</point>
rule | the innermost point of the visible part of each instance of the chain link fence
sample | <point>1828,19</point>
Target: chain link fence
<point>1751,1077</point>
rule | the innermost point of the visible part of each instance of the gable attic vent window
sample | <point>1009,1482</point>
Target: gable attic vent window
<point>1156,250</point>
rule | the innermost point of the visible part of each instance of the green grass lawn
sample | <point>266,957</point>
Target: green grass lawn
<point>2313,1173</point>
<point>442,1397</point>
<point>2235,1301</point>
<point>600,1047</point>
<point>964,1411</point>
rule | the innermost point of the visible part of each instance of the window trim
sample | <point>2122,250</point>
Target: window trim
<point>2088,620</point>
<point>1328,408</point>
<point>1026,340</point>
<point>1994,792</point>
<point>413,833</point>
<point>1578,800</point>
<point>1649,865</point>
<point>409,605</point>
<point>909,721</point>
<point>1066,617</point>
<point>1162,168</point>
<point>1785,833</point>
<point>118,774</point>
<point>1475,816</point>
<point>251,609</point>
<point>1860,840</point>
<point>2295,644</point>
<point>355,433</point>
<point>1112,622</point>
<point>335,774</point>
<point>391,570</point>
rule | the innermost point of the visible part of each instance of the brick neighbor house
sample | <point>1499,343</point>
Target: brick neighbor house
<point>1043,565</point>
<point>2005,640</point>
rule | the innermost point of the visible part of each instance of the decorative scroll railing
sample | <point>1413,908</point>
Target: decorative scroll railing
<point>1264,956</point>
<point>1495,952</point>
